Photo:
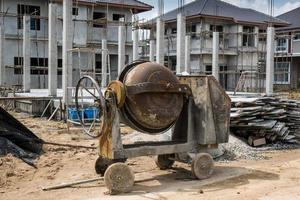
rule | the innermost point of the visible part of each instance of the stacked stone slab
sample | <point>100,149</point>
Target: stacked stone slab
<point>271,118</point>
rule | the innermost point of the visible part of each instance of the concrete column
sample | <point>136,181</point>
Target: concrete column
<point>52,50</point>
<point>187,49</point>
<point>26,53</point>
<point>181,32</point>
<point>256,36</point>
<point>152,51</point>
<point>121,49</point>
<point>2,66</point>
<point>135,48</point>
<point>66,54</point>
<point>215,56</point>
<point>160,37</point>
<point>270,60</point>
<point>104,63</point>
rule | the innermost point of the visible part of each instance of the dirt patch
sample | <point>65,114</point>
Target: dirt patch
<point>238,179</point>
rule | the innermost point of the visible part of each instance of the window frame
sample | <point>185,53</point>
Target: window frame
<point>296,40</point>
<point>285,82</point>
<point>120,16</point>
<point>286,45</point>
<point>75,11</point>
<point>251,41</point>
<point>35,23</point>
<point>98,25</point>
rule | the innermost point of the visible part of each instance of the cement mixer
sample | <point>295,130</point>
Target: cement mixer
<point>149,98</point>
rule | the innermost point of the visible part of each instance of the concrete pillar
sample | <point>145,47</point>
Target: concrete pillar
<point>160,37</point>
<point>121,49</point>
<point>187,49</point>
<point>256,36</point>
<point>52,50</point>
<point>215,55</point>
<point>66,54</point>
<point>181,32</point>
<point>152,51</point>
<point>104,63</point>
<point>2,66</point>
<point>270,60</point>
<point>26,53</point>
<point>135,48</point>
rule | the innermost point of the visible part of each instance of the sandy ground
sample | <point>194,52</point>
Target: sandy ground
<point>277,177</point>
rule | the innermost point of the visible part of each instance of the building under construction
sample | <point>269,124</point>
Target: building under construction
<point>27,27</point>
<point>202,34</point>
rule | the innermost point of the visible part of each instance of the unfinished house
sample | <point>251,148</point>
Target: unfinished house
<point>287,55</point>
<point>241,41</point>
<point>92,21</point>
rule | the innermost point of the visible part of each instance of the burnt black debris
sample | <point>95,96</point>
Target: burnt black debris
<point>18,140</point>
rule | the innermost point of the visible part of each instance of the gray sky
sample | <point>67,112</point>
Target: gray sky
<point>281,6</point>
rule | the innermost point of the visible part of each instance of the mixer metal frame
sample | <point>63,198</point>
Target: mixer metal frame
<point>111,146</point>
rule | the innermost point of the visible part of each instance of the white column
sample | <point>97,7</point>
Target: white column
<point>160,34</point>
<point>2,66</point>
<point>52,50</point>
<point>67,45</point>
<point>151,51</point>
<point>135,48</point>
<point>104,63</point>
<point>121,49</point>
<point>181,32</point>
<point>187,49</point>
<point>270,60</point>
<point>215,56</point>
<point>26,53</point>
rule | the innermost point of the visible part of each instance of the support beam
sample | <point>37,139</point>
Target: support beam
<point>270,60</point>
<point>52,50</point>
<point>104,63</point>
<point>187,49</point>
<point>181,32</point>
<point>215,56</point>
<point>135,48</point>
<point>121,49</point>
<point>66,54</point>
<point>2,66</point>
<point>26,53</point>
<point>152,50</point>
<point>160,33</point>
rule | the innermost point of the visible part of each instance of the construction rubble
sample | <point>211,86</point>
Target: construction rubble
<point>262,120</point>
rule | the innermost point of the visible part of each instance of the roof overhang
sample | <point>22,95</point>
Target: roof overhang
<point>150,23</point>
<point>135,9</point>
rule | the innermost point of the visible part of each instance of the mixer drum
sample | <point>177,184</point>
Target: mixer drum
<point>150,111</point>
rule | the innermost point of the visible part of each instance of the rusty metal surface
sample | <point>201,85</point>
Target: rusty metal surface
<point>211,114</point>
<point>153,111</point>
<point>156,87</point>
<point>118,88</point>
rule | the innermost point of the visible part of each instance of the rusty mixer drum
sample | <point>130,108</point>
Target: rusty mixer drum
<point>150,105</point>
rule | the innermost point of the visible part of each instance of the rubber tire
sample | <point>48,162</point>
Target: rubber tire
<point>102,164</point>
<point>163,162</point>
<point>202,166</point>
<point>119,178</point>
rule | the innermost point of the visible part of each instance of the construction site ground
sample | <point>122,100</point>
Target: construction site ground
<point>274,177</point>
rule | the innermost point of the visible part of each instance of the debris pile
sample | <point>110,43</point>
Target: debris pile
<point>18,140</point>
<point>265,120</point>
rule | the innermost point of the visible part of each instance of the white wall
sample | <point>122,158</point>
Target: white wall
<point>83,34</point>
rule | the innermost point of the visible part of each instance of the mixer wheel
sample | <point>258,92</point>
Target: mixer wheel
<point>202,166</point>
<point>119,178</point>
<point>102,164</point>
<point>164,161</point>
